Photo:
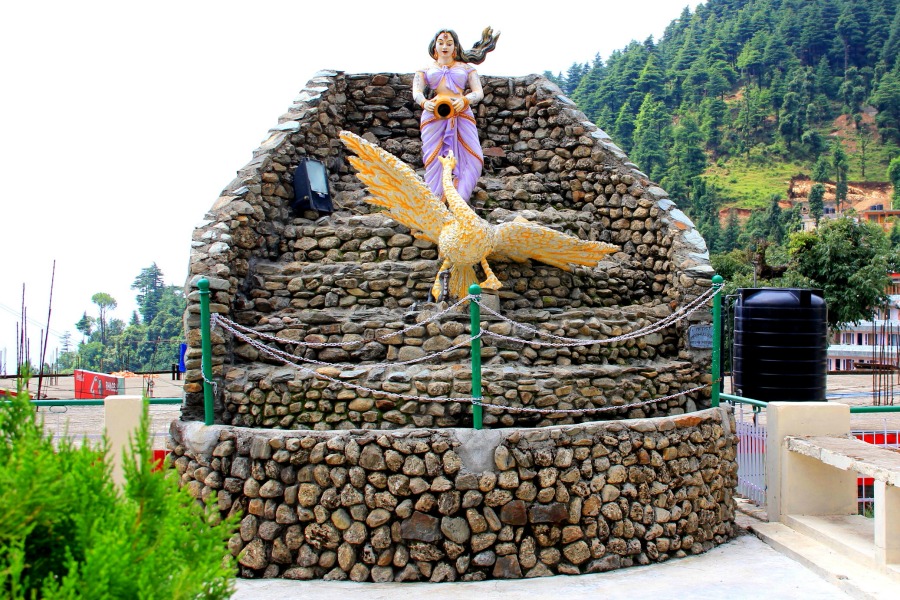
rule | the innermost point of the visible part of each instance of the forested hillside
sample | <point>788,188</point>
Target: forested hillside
<point>741,95</point>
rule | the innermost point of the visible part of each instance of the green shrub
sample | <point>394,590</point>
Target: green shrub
<point>731,264</point>
<point>67,532</point>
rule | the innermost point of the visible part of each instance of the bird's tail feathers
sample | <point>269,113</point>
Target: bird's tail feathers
<point>461,277</point>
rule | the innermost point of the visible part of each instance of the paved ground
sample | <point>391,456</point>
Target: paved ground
<point>80,421</point>
<point>743,568</point>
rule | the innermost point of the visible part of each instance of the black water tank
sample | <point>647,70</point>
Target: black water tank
<point>780,344</point>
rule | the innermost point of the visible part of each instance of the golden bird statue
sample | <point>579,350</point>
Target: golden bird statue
<point>463,238</point>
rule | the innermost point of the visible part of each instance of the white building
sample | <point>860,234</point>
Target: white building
<point>876,341</point>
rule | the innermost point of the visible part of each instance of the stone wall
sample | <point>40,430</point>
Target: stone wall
<point>454,504</point>
<point>356,277</point>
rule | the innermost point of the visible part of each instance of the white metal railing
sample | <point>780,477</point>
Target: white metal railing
<point>751,454</point>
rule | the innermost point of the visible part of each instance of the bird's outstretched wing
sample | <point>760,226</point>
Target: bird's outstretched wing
<point>521,239</point>
<point>395,186</point>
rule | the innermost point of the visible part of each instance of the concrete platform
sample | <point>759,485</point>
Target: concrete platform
<point>744,568</point>
<point>830,563</point>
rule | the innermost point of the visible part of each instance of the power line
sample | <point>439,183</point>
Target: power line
<point>18,314</point>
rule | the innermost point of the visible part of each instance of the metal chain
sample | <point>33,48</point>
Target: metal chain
<point>688,310</point>
<point>279,355</point>
<point>593,410</point>
<point>214,385</point>
<point>288,359</point>
<point>692,307</point>
<point>219,319</point>
<point>258,345</point>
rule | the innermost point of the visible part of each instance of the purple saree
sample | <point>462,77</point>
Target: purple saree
<point>457,133</point>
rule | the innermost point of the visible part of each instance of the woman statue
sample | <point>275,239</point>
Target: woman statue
<point>447,121</point>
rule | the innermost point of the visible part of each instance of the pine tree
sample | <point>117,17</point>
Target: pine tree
<point>891,47</point>
<point>853,90</point>
<point>774,224</point>
<point>573,77</point>
<point>750,61</point>
<point>720,75</point>
<point>713,233</point>
<point>105,303</point>
<point>696,80</point>
<point>651,78</point>
<point>623,129</point>
<point>863,140</point>
<point>713,112</point>
<point>777,54</point>
<point>751,117</point>
<point>824,79</point>
<point>606,120</point>
<point>877,34</point>
<point>687,159</point>
<point>85,326</point>
<point>732,233</point>
<point>887,100</point>
<point>821,169</point>
<point>816,201</point>
<point>790,122</point>
<point>588,92</point>
<point>149,284</point>
<point>850,32</point>
<point>65,342</point>
<point>814,34</point>
<point>793,81</point>
<point>649,147</point>
<point>841,165</point>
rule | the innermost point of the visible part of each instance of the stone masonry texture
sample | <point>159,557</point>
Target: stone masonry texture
<point>359,278</point>
<point>343,469</point>
<point>465,505</point>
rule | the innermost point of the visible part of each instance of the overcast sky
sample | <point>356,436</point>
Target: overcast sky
<point>120,122</point>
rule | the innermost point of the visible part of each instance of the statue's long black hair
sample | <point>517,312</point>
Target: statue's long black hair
<point>476,54</point>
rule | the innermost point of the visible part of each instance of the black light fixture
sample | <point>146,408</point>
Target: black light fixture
<point>311,187</point>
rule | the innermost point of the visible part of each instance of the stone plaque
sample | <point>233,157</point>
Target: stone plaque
<point>700,336</point>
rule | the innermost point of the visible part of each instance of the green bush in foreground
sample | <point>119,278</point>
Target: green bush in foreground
<point>67,532</point>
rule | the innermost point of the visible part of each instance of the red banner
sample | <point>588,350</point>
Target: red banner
<point>90,385</point>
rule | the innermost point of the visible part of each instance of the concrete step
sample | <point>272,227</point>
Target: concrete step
<point>837,567</point>
<point>851,535</point>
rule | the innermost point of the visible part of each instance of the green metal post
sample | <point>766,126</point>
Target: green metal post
<point>206,347</point>
<point>475,314</point>
<point>717,283</point>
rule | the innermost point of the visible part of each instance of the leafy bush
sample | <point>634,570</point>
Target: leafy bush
<point>67,532</point>
<point>731,264</point>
